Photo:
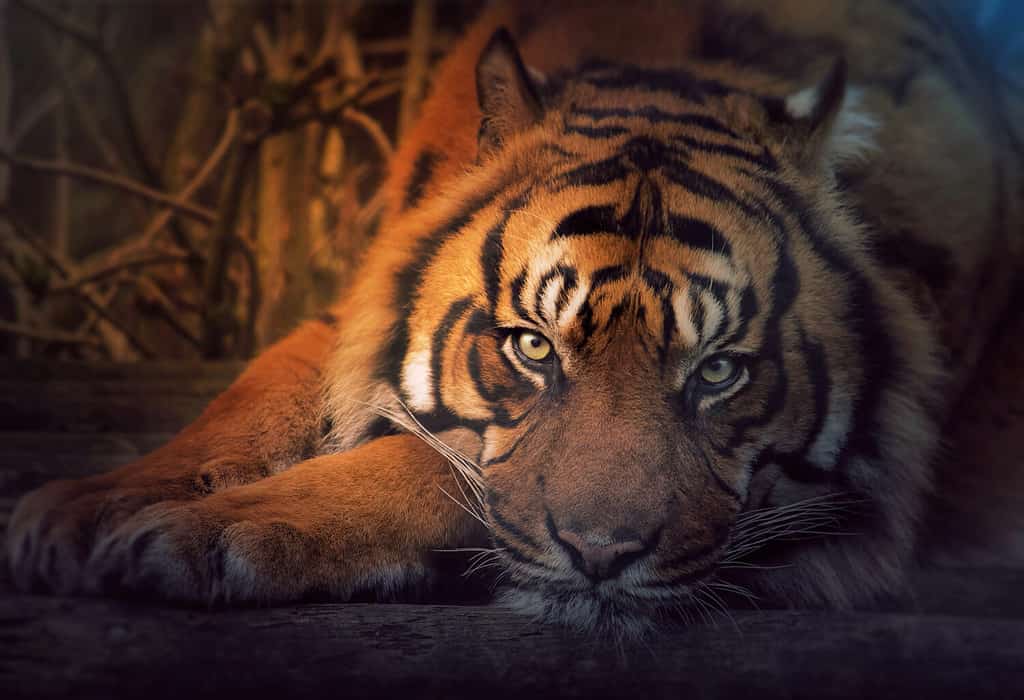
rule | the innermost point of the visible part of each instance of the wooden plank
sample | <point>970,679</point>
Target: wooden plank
<point>960,634</point>
<point>30,459</point>
<point>101,649</point>
<point>155,414</point>
<point>73,397</point>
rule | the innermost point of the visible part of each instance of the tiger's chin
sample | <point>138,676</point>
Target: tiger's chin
<point>615,616</point>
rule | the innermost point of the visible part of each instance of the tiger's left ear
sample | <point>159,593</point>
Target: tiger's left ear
<point>506,91</point>
<point>824,124</point>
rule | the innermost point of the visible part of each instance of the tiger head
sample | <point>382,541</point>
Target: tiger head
<point>650,304</point>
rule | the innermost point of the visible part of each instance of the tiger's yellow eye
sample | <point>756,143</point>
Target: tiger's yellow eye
<point>718,371</point>
<point>533,346</point>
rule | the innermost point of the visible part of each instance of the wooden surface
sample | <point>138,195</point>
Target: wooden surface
<point>960,635</point>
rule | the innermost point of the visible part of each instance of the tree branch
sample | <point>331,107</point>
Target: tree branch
<point>47,335</point>
<point>101,177</point>
<point>418,64</point>
<point>94,44</point>
<point>372,128</point>
<point>74,285</point>
<point>139,243</point>
<point>22,232</point>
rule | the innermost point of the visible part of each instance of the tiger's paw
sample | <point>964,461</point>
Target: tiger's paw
<point>52,530</point>
<point>195,552</point>
<point>55,529</point>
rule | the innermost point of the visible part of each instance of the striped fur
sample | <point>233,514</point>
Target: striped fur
<point>828,197</point>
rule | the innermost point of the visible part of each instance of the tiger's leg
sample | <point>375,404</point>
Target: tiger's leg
<point>363,519</point>
<point>266,421</point>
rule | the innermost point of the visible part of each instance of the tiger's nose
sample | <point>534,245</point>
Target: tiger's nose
<point>602,557</point>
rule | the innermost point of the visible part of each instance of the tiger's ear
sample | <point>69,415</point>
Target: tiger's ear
<point>824,124</point>
<point>507,93</point>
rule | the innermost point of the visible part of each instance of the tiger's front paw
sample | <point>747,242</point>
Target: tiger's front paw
<point>197,552</point>
<point>52,530</point>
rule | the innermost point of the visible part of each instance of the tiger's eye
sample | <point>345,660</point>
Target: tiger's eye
<point>533,346</point>
<point>717,371</point>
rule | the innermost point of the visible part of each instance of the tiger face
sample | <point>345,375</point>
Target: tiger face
<point>646,305</point>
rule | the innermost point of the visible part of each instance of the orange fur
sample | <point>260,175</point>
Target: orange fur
<point>890,212</point>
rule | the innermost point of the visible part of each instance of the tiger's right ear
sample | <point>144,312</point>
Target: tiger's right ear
<point>507,94</point>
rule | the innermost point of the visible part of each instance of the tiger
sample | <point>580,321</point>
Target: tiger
<point>666,303</point>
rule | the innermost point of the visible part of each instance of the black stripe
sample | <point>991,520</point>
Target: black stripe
<point>441,333</point>
<point>704,186</point>
<point>798,469</point>
<point>616,313</point>
<point>569,282</point>
<point>817,375</point>
<point>490,262</point>
<point>516,291</point>
<point>407,281</point>
<point>380,427</point>
<point>662,287</point>
<point>658,116</point>
<point>607,275</point>
<point>763,158</point>
<point>473,367</point>
<point>593,174</point>
<point>785,286</point>
<point>862,316</point>
<point>328,319</point>
<point>495,516</point>
<point>595,132</point>
<point>719,481</point>
<point>748,310</point>
<point>514,553</point>
<point>422,172</point>
<point>587,221</point>
<point>698,234</point>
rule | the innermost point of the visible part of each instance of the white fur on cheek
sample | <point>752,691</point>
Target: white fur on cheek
<point>827,446</point>
<point>417,381</point>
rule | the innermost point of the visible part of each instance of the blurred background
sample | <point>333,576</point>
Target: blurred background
<point>187,179</point>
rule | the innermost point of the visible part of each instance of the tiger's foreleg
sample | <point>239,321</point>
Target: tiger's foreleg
<point>367,518</point>
<point>265,422</point>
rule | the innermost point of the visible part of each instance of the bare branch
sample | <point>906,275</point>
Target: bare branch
<point>102,177</point>
<point>36,112</point>
<point>49,336</point>
<point>372,128</point>
<point>165,310</point>
<point>144,240</point>
<point>91,300</point>
<point>84,112</point>
<point>157,260</point>
<point>418,63</point>
<point>247,342</point>
<point>94,44</point>
<point>220,242</point>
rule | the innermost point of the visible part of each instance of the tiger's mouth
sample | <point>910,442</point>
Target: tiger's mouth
<point>632,604</point>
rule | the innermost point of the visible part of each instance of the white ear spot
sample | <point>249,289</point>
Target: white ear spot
<point>802,104</point>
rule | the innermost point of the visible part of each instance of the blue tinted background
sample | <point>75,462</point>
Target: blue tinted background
<point>1002,27</point>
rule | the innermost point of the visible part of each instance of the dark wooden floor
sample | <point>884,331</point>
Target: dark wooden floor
<point>961,635</point>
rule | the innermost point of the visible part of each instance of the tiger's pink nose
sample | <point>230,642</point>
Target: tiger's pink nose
<point>600,561</point>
